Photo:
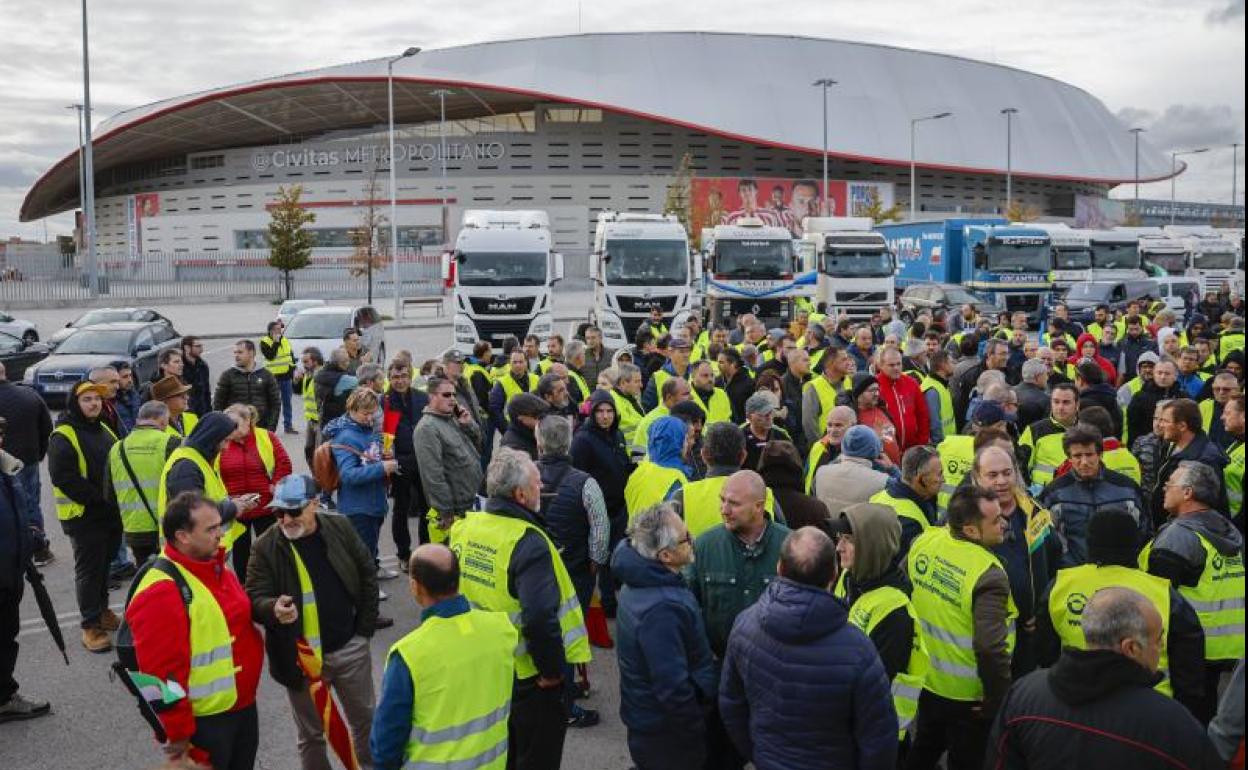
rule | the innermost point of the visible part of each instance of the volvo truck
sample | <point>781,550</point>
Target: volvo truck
<point>855,266</point>
<point>641,262</point>
<point>502,273</point>
<point>751,267</point>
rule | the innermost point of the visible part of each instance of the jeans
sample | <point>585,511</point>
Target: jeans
<point>230,739</point>
<point>285,386</point>
<point>121,558</point>
<point>536,727</point>
<point>666,750</point>
<point>28,478</point>
<point>368,527</point>
<point>409,502</point>
<point>944,724</point>
<point>145,545</point>
<point>349,672</point>
<point>94,546</point>
<point>241,552</point>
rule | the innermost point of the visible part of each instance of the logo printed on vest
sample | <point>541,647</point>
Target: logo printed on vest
<point>1076,603</point>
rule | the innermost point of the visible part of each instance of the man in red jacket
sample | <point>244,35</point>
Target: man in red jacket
<point>209,647</point>
<point>902,398</point>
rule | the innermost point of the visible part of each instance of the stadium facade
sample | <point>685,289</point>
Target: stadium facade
<point>578,124</point>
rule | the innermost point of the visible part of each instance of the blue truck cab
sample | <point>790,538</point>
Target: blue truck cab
<point>1008,265</point>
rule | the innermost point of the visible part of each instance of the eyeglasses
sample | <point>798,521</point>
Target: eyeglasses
<point>287,513</point>
<point>446,394</point>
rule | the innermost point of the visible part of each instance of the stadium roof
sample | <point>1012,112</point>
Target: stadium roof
<point>754,88</point>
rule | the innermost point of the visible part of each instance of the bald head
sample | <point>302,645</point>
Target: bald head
<point>808,557</point>
<point>434,574</point>
<point>1124,621</point>
<point>749,484</point>
<point>741,504</point>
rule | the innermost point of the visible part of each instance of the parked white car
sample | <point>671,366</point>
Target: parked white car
<point>20,328</point>
<point>323,327</point>
<point>293,307</point>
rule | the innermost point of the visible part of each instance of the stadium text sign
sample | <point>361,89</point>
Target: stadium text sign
<point>296,157</point>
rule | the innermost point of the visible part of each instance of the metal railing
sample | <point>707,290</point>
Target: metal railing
<point>244,275</point>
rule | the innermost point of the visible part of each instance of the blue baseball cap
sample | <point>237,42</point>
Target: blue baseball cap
<point>294,491</point>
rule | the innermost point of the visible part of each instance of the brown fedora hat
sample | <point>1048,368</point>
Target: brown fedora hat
<point>168,387</point>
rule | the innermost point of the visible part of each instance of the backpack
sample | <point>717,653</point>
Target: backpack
<point>325,467</point>
<point>126,667</point>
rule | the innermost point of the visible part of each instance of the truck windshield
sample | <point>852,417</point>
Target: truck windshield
<point>647,263</point>
<point>1007,257</point>
<point>1116,256</point>
<point>1214,260</point>
<point>861,262</point>
<point>1072,259</point>
<point>498,268</point>
<point>1093,292</point>
<point>1173,264</point>
<point>753,259</point>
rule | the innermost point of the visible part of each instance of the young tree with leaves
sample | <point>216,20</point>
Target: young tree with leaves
<point>290,245</point>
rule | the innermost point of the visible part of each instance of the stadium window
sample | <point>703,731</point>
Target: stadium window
<point>571,115</point>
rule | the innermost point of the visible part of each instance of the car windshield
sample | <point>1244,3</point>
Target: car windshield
<point>858,262</point>
<point>1021,256</point>
<point>647,263</point>
<point>1214,260</point>
<point>1116,256</point>
<point>753,259</point>
<point>498,268</point>
<point>1072,259</point>
<point>960,297</point>
<point>292,307</point>
<point>102,317</point>
<point>97,341</point>
<point>318,326</point>
<point>1173,264</point>
<point>1089,291</point>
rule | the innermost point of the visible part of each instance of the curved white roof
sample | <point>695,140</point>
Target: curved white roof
<point>751,87</point>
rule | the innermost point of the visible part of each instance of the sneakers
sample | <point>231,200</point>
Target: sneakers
<point>17,708</point>
<point>384,621</point>
<point>42,558</point>
<point>582,718</point>
<point>96,640</point>
<point>386,574</point>
<point>382,595</point>
<point>109,620</point>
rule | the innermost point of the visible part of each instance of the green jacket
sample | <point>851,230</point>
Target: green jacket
<point>727,577</point>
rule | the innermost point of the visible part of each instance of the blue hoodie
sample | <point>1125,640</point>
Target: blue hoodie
<point>362,491</point>
<point>667,443</point>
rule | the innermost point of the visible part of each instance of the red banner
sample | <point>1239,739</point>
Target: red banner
<point>779,202</point>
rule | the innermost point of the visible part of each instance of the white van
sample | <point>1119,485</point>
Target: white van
<point>1174,288</point>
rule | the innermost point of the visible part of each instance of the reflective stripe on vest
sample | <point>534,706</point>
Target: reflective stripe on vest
<point>308,612</point>
<point>948,425</point>
<point>701,504</point>
<point>145,449</point>
<point>66,508</point>
<point>1074,586</point>
<point>462,669</point>
<point>484,543</point>
<point>866,613</point>
<point>213,489</point>
<point>1218,599</point>
<point>904,508</point>
<point>211,683</point>
<point>717,409</point>
<point>189,421</point>
<point>957,455</point>
<point>1047,454</point>
<point>648,485</point>
<point>944,570</point>
<point>283,359</point>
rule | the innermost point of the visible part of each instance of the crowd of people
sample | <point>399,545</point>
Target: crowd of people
<point>837,543</point>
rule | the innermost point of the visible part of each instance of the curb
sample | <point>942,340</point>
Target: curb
<point>431,323</point>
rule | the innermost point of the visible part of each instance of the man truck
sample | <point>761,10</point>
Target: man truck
<point>1215,259</point>
<point>751,267</point>
<point>855,267</point>
<point>502,272</point>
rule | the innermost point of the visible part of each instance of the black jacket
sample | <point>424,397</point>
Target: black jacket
<point>409,406</point>
<point>207,436</point>
<point>563,511</point>
<point>798,508</point>
<point>893,636</point>
<point>90,491</point>
<point>1033,403</point>
<point>602,454</point>
<point>16,540</point>
<point>257,388</point>
<point>520,438</point>
<point>1095,709</point>
<point>1106,397</point>
<point>329,407</point>
<point>195,373</point>
<point>29,423</point>
<point>1202,450</point>
<point>739,389</point>
<point>1143,404</point>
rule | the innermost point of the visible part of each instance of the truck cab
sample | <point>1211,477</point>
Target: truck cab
<point>1009,265</point>
<point>502,272</point>
<point>641,262</point>
<point>754,268</point>
<point>1161,254</point>
<point>1215,260</point>
<point>1072,255</point>
<point>855,266</point>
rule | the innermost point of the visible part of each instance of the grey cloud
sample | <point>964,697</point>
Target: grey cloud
<point>1186,126</point>
<point>1227,14</point>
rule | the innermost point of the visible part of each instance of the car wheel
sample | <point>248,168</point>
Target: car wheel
<point>30,336</point>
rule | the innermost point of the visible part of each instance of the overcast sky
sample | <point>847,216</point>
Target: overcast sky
<point>1175,67</point>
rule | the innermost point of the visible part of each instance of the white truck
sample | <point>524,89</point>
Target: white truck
<point>1215,260</point>
<point>1161,254</point>
<point>1072,255</point>
<point>641,262</point>
<point>502,271</point>
<point>751,267</point>
<point>856,268</point>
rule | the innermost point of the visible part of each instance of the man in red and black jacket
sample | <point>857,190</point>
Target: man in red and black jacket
<point>216,723</point>
<point>903,399</point>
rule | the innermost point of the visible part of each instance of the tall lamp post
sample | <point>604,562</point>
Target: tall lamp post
<point>1009,113</point>
<point>914,184</point>
<point>1174,171</point>
<point>825,84</point>
<point>1234,173</point>
<point>394,190</point>
<point>442,93</point>
<point>1137,132</point>
<point>88,165</point>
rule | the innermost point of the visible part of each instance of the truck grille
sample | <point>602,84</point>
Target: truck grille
<point>496,306</point>
<point>645,304</point>
<point>862,296</point>
<point>765,309</point>
<point>496,330</point>
<point>1028,303</point>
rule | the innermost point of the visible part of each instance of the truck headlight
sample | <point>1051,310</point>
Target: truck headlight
<point>610,324</point>
<point>464,330</point>
<point>542,326</point>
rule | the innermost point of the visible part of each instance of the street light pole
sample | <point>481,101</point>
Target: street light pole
<point>825,84</point>
<point>914,186</point>
<point>1174,172</point>
<point>1234,173</point>
<point>442,93</point>
<point>1009,113</point>
<point>394,194</point>
<point>88,165</point>
<point>1137,132</point>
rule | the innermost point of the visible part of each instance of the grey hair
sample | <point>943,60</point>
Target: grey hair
<point>997,392</point>
<point>1113,614</point>
<point>509,470</point>
<point>991,346</point>
<point>625,371</point>
<point>748,350</point>
<point>1203,480</point>
<point>915,460</point>
<point>1033,368</point>
<point>99,371</point>
<point>368,373</point>
<point>153,411</point>
<point>340,357</point>
<point>554,436</point>
<point>987,378</point>
<point>654,529</point>
<point>574,349</point>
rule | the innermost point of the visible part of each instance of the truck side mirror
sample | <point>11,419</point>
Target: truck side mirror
<point>606,257</point>
<point>558,268</point>
<point>446,266</point>
<point>981,257</point>
<point>461,257</point>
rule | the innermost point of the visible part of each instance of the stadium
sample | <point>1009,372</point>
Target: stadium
<point>578,124</point>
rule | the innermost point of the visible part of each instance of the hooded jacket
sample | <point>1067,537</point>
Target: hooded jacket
<point>517,435</point>
<point>1130,349</point>
<point>1177,553</point>
<point>1107,366</point>
<point>876,565</point>
<point>184,475</point>
<point>602,454</point>
<point>801,687</point>
<point>91,491</point>
<point>667,443</point>
<point>1096,708</point>
<point>667,673</point>
<point>363,491</point>
<point>331,386</point>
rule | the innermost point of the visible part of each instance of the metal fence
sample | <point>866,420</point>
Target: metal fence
<point>211,276</point>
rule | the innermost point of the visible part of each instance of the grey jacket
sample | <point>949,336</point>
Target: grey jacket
<point>845,481</point>
<point>449,459</point>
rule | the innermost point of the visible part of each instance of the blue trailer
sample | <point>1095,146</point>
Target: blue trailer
<point>1008,265</point>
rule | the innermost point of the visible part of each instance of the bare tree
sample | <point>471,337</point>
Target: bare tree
<point>369,254</point>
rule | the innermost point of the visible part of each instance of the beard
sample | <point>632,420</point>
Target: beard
<point>293,531</point>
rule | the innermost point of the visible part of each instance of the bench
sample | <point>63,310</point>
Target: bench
<point>435,302</point>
